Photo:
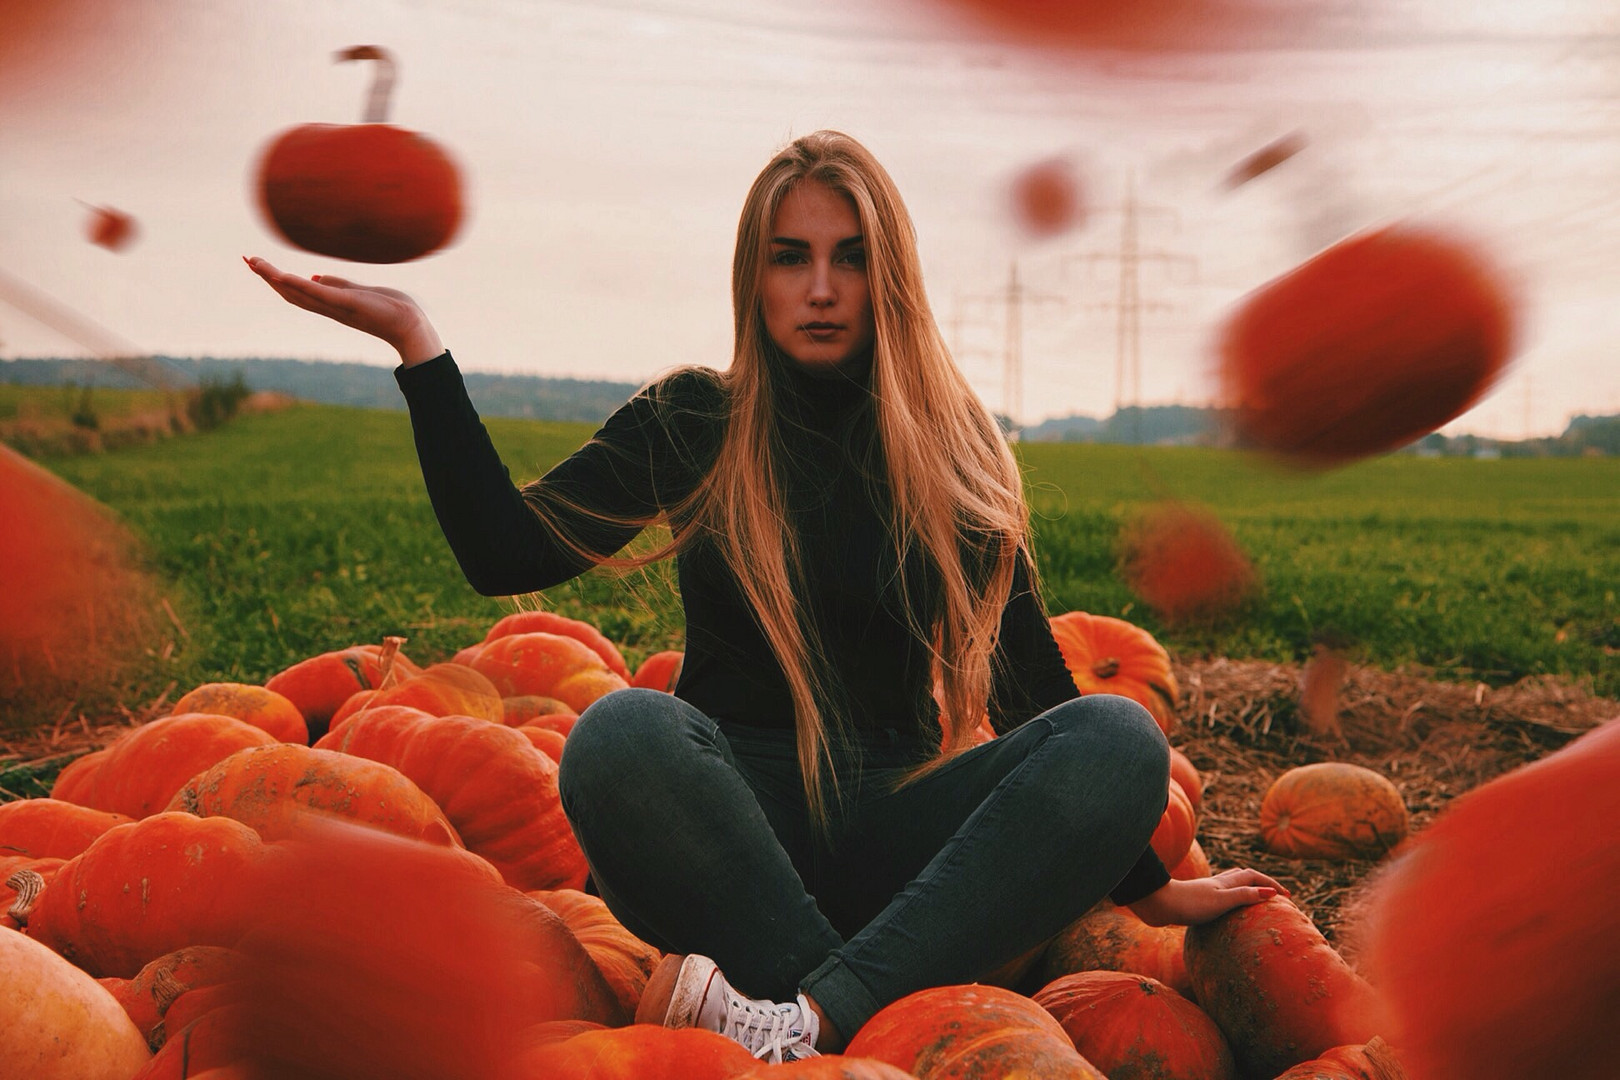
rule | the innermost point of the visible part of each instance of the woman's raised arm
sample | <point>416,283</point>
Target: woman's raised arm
<point>383,313</point>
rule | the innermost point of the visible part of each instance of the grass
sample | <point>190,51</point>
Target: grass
<point>290,533</point>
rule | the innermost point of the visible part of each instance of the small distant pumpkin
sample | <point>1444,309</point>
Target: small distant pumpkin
<point>1111,656</point>
<point>1332,810</point>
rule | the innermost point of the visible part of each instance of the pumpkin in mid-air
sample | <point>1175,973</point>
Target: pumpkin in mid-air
<point>368,192</point>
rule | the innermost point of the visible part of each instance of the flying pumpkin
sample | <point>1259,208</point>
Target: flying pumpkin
<point>368,192</point>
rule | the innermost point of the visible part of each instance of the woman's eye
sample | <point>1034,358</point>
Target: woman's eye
<point>787,257</point>
<point>854,257</point>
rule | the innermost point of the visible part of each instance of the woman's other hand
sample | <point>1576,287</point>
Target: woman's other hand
<point>1198,900</point>
<point>383,313</point>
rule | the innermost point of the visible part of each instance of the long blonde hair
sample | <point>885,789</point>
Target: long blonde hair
<point>954,484</point>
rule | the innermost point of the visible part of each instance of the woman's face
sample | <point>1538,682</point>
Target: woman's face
<point>818,307</point>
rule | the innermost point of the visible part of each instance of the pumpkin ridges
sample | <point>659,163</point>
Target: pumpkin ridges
<point>1332,810</point>
<point>525,622</point>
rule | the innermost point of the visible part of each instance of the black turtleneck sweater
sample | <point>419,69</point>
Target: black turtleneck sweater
<point>652,453</point>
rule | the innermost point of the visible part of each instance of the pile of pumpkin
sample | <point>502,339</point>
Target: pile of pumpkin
<point>183,914</point>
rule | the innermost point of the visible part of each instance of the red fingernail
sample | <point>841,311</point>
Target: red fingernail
<point>314,277</point>
<point>1267,892</point>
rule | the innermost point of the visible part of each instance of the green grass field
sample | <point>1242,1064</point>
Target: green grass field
<point>290,533</point>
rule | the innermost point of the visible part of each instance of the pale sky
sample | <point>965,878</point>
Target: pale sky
<point>607,146</point>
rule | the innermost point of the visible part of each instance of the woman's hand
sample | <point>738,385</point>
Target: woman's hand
<point>383,313</point>
<point>1201,899</point>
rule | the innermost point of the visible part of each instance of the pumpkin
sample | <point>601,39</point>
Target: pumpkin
<point>545,740</point>
<point>42,828</point>
<point>1185,773</point>
<point>1492,935</point>
<point>1194,865</point>
<point>1136,1028</point>
<point>517,711</point>
<point>1112,26</point>
<point>319,685</point>
<point>440,690</point>
<point>148,888</point>
<point>368,192</point>
<point>269,788</point>
<point>970,1032</point>
<point>1173,837</point>
<point>560,722</point>
<point>638,1052</point>
<point>624,960</point>
<point>1277,989</point>
<point>1342,1063</point>
<point>371,955</point>
<point>1332,810</point>
<point>1110,938</point>
<point>254,704</point>
<point>1046,197</point>
<point>528,622</point>
<point>497,790</point>
<point>660,671</point>
<point>110,228</point>
<point>1110,656</point>
<point>828,1067</point>
<point>1263,160</point>
<point>58,1023</point>
<point>1184,563</point>
<point>148,995</point>
<point>140,772</point>
<point>1372,343</point>
<point>549,665</point>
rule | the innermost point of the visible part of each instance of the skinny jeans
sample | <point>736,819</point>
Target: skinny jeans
<point>699,840</point>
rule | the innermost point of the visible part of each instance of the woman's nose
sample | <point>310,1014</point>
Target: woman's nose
<point>822,293</point>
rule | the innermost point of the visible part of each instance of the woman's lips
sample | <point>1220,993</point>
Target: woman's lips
<point>821,331</point>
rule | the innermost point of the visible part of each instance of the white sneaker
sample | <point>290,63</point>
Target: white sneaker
<point>699,996</point>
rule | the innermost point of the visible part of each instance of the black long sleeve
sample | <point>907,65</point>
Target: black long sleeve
<point>648,457</point>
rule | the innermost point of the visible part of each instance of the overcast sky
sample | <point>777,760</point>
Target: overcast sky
<point>607,146</point>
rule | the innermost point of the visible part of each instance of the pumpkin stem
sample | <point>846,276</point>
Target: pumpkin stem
<point>382,83</point>
<point>29,884</point>
<point>1106,668</point>
<point>390,650</point>
<point>1385,1065</point>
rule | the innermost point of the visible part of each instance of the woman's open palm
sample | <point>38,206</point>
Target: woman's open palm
<point>383,313</point>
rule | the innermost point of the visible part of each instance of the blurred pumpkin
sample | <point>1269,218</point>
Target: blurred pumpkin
<point>1046,198</point>
<point>57,1023</point>
<point>1372,343</point>
<point>368,192</point>
<point>1184,563</point>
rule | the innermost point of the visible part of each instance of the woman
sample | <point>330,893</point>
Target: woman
<point>850,533</point>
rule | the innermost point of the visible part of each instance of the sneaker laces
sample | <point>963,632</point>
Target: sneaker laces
<point>774,1032</point>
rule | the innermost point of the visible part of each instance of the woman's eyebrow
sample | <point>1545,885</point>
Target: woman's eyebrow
<point>795,242</point>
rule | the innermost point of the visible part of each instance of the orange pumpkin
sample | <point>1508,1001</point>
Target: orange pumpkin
<point>1046,197</point>
<point>1339,1063</point>
<point>660,671</point>
<point>56,1023</point>
<point>1110,656</point>
<point>1185,773</point>
<point>545,740</point>
<point>23,879</point>
<point>40,828</point>
<point>1279,991</point>
<point>1173,837</point>
<point>270,788</point>
<point>971,1031</point>
<point>1492,936</point>
<point>1136,1028</point>
<point>639,1052</point>
<point>549,665</point>
<point>140,772</point>
<point>148,888</point>
<point>1195,865</point>
<point>624,960</point>
<point>1110,938</point>
<point>1332,810</point>
<point>255,705</point>
<point>440,690</point>
<point>549,622</point>
<point>321,684</point>
<point>498,791</point>
<point>1372,343</point>
<point>517,711</point>
<point>369,192</point>
<point>147,996</point>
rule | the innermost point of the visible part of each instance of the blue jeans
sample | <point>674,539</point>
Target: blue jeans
<point>699,841</point>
